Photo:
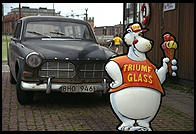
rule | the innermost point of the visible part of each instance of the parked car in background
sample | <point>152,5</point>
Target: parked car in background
<point>56,54</point>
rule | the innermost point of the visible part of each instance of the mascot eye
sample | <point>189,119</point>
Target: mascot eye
<point>129,30</point>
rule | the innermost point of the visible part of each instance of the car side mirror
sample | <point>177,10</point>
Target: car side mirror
<point>14,39</point>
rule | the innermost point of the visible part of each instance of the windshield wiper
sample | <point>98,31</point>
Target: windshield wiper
<point>60,33</point>
<point>38,33</point>
<point>83,38</point>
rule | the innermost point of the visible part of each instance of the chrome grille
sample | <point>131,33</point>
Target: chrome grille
<point>92,70</point>
<point>80,70</point>
<point>57,69</point>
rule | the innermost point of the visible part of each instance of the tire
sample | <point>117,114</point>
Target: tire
<point>24,97</point>
<point>99,94</point>
<point>12,80</point>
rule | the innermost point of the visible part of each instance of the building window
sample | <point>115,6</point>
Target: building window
<point>138,5</point>
<point>129,13</point>
<point>128,5</point>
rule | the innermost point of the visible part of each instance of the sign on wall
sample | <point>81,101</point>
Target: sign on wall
<point>169,6</point>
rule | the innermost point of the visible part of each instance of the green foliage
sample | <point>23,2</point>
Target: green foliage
<point>4,46</point>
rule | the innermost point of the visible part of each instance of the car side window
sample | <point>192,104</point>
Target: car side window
<point>87,34</point>
<point>68,31</point>
<point>78,31</point>
<point>18,30</point>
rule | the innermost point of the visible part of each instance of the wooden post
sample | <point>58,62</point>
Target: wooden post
<point>124,46</point>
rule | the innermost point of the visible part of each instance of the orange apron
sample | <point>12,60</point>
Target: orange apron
<point>137,74</point>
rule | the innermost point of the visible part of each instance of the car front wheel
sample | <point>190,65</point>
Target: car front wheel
<point>12,80</point>
<point>24,97</point>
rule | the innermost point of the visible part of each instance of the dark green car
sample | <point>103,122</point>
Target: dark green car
<point>56,54</point>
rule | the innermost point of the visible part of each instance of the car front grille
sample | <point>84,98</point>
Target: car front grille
<point>57,69</point>
<point>78,70</point>
<point>91,70</point>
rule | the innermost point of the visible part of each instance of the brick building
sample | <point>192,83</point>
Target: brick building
<point>9,23</point>
<point>35,11</point>
<point>9,20</point>
<point>91,22</point>
<point>109,30</point>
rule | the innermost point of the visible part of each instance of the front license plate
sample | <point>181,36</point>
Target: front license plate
<point>77,89</point>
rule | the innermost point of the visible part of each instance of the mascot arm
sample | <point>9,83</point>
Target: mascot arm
<point>161,73</point>
<point>113,70</point>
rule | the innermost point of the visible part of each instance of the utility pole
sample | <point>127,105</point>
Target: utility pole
<point>2,18</point>
<point>2,12</point>
<point>53,9</point>
<point>86,14</point>
<point>19,11</point>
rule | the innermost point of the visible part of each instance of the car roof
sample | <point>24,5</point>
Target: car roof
<point>56,18</point>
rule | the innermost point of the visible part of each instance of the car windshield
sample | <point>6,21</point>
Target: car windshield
<point>54,29</point>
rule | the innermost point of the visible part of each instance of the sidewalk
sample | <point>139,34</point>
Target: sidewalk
<point>65,114</point>
<point>179,101</point>
<point>175,99</point>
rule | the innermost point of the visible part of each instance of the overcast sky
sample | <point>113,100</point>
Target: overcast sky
<point>105,14</point>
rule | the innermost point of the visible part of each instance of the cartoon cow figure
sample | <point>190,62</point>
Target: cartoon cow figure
<point>136,90</point>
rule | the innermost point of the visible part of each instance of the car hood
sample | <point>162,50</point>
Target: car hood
<point>63,49</point>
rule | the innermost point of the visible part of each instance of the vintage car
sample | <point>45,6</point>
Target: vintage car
<point>50,53</point>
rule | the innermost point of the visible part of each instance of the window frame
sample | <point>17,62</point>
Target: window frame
<point>86,25</point>
<point>18,30</point>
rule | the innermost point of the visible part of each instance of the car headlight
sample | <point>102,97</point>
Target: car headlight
<point>33,59</point>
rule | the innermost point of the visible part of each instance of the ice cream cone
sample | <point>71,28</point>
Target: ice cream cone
<point>169,47</point>
<point>170,54</point>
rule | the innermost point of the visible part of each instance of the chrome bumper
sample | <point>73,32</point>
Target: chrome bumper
<point>49,86</point>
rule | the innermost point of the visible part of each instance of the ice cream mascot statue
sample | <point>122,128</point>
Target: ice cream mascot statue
<point>135,90</point>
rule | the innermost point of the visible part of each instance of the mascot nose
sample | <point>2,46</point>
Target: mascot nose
<point>151,43</point>
<point>135,41</point>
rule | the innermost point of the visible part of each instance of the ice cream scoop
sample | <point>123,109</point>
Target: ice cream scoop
<point>171,44</point>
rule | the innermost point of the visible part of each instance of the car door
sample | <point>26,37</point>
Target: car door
<point>12,54</point>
